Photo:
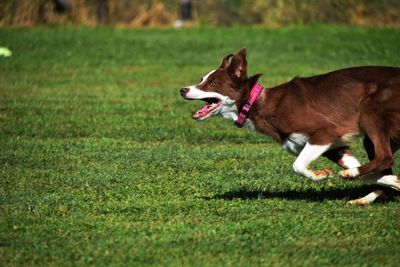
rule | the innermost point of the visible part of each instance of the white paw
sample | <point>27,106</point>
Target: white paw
<point>316,176</point>
<point>370,198</point>
<point>396,185</point>
<point>349,173</point>
<point>320,175</point>
<point>359,202</point>
<point>390,181</point>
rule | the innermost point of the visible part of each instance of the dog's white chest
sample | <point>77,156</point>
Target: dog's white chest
<point>295,143</point>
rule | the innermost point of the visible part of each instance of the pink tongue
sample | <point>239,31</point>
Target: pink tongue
<point>202,112</point>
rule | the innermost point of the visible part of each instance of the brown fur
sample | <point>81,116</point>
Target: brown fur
<point>329,107</point>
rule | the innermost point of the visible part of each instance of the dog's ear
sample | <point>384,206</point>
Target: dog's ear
<point>225,61</point>
<point>254,79</point>
<point>238,66</point>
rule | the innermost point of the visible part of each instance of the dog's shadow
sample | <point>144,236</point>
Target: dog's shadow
<point>307,195</point>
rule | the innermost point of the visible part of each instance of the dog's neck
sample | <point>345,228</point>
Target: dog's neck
<point>246,88</point>
<point>261,115</point>
<point>232,113</point>
<point>254,94</point>
<point>255,120</point>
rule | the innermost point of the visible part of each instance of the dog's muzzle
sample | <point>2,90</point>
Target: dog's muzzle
<point>184,91</point>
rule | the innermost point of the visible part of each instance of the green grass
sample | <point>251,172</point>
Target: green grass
<point>101,164</point>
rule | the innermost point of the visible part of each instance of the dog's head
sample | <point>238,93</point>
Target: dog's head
<point>222,89</point>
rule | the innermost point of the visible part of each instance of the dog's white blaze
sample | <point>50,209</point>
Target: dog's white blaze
<point>350,161</point>
<point>307,155</point>
<point>195,93</point>
<point>295,143</point>
<point>204,79</point>
<point>227,108</point>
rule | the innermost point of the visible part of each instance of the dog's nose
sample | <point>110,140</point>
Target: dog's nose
<point>184,91</point>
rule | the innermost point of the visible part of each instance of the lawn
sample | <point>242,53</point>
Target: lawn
<point>101,163</point>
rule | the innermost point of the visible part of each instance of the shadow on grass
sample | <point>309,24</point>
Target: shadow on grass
<point>308,195</point>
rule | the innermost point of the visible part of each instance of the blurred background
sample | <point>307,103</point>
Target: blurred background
<point>166,13</point>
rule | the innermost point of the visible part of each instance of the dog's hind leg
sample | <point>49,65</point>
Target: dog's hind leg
<point>370,198</point>
<point>382,154</point>
<point>345,158</point>
<point>385,178</point>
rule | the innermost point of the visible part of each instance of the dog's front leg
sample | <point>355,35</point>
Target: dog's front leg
<point>310,153</point>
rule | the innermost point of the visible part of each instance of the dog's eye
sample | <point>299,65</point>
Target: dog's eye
<point>213,83</point>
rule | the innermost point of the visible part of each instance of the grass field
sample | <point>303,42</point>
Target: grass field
<point>101,164</point>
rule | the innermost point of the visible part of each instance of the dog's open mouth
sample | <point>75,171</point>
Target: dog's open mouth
<point>206,111</point>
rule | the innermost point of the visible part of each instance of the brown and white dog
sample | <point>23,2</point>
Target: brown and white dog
<point>314,116</point>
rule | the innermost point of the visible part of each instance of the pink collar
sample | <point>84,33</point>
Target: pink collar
<point>254,93</point>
